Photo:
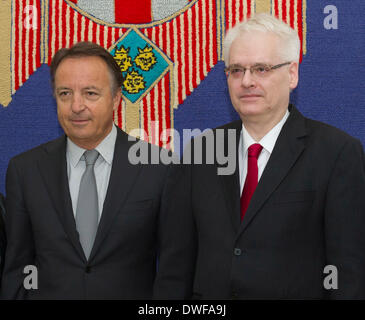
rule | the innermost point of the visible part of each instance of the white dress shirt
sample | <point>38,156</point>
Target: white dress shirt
<point>102,168</point>
<point>267,143</point>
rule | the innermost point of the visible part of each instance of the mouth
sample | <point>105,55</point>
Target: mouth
<point>79,122</point>
<point>250,97</point>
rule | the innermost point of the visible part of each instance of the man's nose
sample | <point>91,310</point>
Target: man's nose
<point>78,103</point>
<point>248,80</point>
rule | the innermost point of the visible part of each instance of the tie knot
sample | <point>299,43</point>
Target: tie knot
<point>254,150</point>
<point>91,156</point>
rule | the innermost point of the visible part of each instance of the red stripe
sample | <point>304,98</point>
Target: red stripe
<point>241,9</point>
<point>74,1</point>
<point>145,119</point>
<point>284,10</point>
<point>201,52</point>
<point>38,57</point>
<point>72,27</point>
<point>226,9</point>
<point>300,27</point>
<point>86,34</point>
<point>116,35</point>
<point>248,9</point>
<point>24,31</point>
<point>215,47</point>
<point>186,33</point>
<point>102,29</point>
<point>56,24</point>
<point>94,33</point>
<point>64,24</point>
<point>50,26</point>
<point>291,12</point>
<point>276,8</point>
<point>109,39</point>
<point>207,36</point>
<point>164,37</point>
<point>193,22</point>
<point>79,26</point>
<point>133,11</point>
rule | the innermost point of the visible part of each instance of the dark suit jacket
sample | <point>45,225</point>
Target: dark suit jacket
<point>308,211</point>
<point>41,230</point>
<point>2,234</point>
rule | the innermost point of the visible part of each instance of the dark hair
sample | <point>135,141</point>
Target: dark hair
<point>88,49</point>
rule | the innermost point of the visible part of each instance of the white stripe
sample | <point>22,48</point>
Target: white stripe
<point>204,31</point>
<point>13,49</point>
<point>190,52</point>
<point>156,114</point>
<point>163,109</point>
<point>98,34</point>
<point>182,57</point>
<point>295,15</point>
<point>230,15</point>
<point>60,26</point>
<point>90,35</point>
<point>83,22</point>
<point>280,5</point>
<point>106,37</point>
<point>76,26</point>
<point>20,24</point>
<point>237,7</point>
<point>175,98</point>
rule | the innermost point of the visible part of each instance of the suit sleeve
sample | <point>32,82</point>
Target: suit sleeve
<point>345,222</point>
<point>177,245</point>
<point>20,246</point>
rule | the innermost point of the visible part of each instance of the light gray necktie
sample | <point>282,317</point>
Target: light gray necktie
<point>87,211</point>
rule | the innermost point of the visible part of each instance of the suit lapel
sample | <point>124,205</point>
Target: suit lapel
<point>122,177</point>
<point>53,169</point>
<point>230,183</point>
<point>288,148</point>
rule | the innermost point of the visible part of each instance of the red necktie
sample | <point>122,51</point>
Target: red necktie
<point>251,178</point>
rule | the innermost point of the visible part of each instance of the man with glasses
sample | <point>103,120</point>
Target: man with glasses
<point>289,222</point>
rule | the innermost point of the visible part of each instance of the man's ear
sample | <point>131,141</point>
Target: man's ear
<point>116,99</point>
<point>293,75</point>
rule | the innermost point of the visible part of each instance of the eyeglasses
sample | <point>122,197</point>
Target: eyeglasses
<point>258,70</point>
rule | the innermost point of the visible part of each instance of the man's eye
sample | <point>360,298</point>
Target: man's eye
<point>236,70</point>
<point>261,69</point>
<point>91,93</point>
<point>64,93</point>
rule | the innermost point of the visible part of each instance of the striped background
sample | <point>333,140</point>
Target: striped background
<point>192,41</point>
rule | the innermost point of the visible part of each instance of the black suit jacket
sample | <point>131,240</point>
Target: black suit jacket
<point>41,230</point>
<point>2,234</point>
<point>308,211</point>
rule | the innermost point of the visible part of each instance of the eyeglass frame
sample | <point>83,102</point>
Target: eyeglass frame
<point>227,69</point>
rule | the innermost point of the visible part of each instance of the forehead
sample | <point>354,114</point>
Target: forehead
<point>81,69</point>
<point>255,47</point>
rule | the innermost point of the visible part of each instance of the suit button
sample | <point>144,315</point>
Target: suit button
<point>88,269</point>
<point>237,251</point>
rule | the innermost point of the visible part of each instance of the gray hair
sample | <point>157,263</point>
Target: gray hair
<point>264,22</point>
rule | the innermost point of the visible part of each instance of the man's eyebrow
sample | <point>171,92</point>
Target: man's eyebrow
<point>92,88</point>
<point>62,88</point>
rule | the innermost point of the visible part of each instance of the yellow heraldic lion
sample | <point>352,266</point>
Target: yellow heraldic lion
<point>134,82</point>
<point>146,58</point>
<point>123,59</point>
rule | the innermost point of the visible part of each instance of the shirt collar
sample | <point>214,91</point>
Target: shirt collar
<point>269,140</point>
<point>105,148</point>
